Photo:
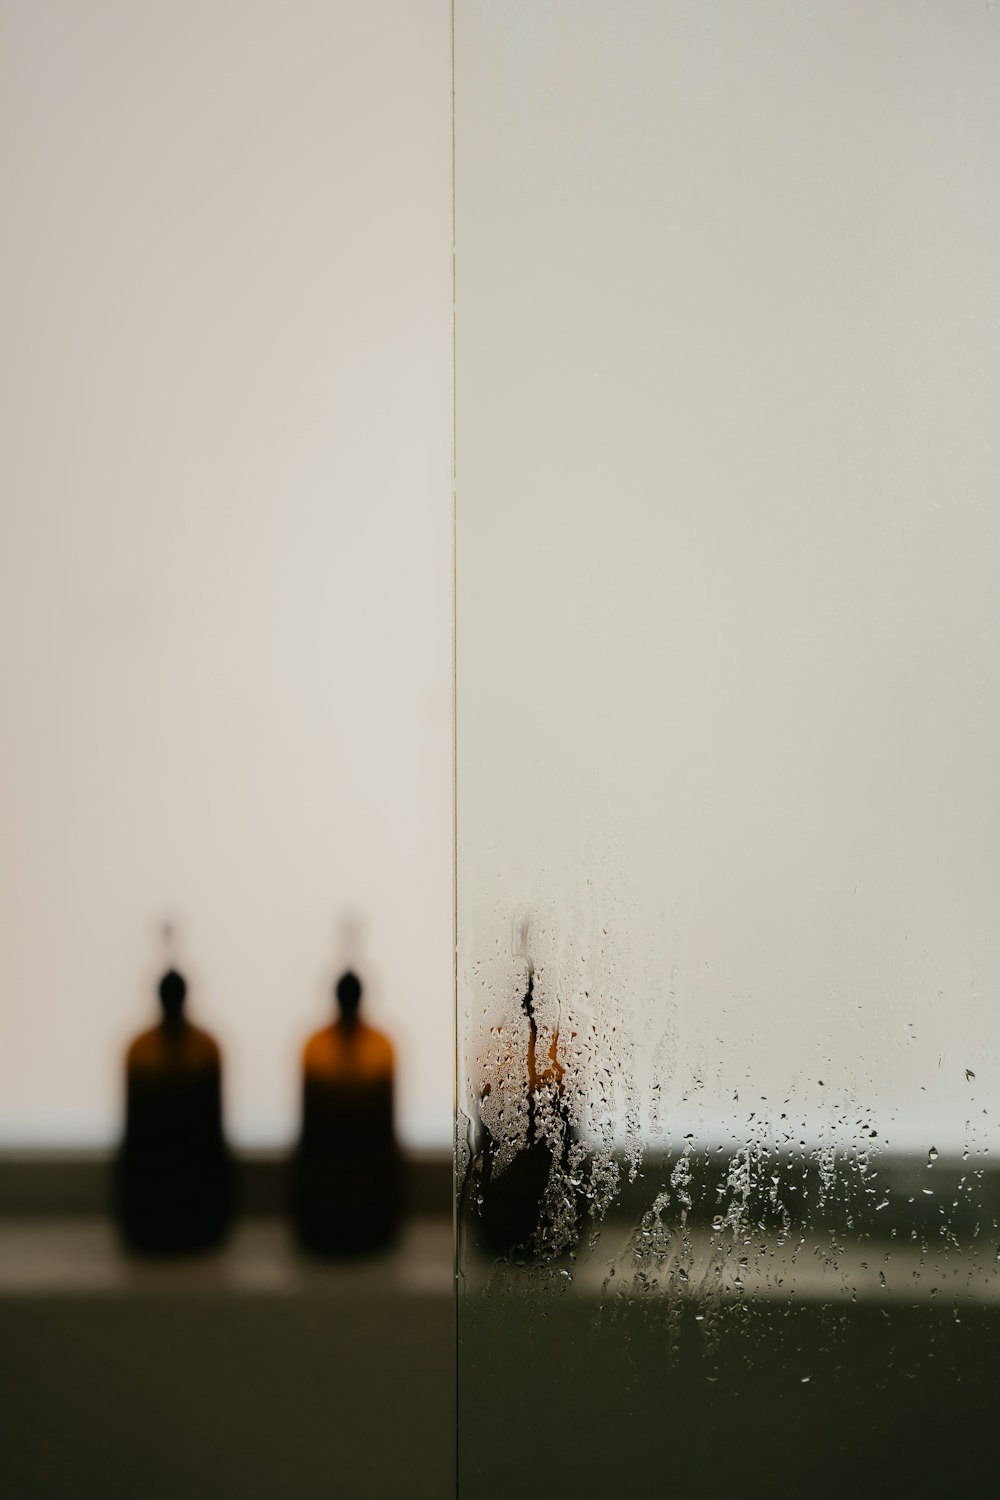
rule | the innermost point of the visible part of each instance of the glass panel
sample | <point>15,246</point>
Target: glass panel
<point>728,366</point>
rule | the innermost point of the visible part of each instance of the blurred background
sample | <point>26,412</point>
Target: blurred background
<point>225,649</point>
<point>728,287</point>
<point>225,565</point>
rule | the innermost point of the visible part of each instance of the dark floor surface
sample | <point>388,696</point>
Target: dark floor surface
<point>252,1376</point>
<point>778,1402</point>
<point>258,1376</point>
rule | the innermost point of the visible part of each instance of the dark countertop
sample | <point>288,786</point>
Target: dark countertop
<point>250,1373</point>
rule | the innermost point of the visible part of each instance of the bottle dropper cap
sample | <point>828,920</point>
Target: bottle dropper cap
<point>172,988</point>
<point>172,991</point>
<point>349,993</point>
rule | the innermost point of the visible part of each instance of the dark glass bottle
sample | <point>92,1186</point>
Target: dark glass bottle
<point>175,1178</point>
<point>513,1213</point>
<point>347,1167</point>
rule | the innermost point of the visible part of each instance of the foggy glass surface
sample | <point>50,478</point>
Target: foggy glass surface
<point>728,369</point>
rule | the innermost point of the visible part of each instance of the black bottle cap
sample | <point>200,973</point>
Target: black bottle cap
<point>172,990</point>
<point>349,993</point>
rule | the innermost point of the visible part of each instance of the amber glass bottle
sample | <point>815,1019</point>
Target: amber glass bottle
<point>513,1210</point>
<point>175,1181</point>
<point>347,1168</point>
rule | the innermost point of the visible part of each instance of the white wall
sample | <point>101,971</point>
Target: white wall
<point>225,448</point>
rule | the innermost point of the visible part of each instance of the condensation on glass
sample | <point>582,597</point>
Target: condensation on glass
<point>728,372</point>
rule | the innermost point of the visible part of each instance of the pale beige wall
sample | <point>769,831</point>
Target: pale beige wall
<point>225,448</point>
